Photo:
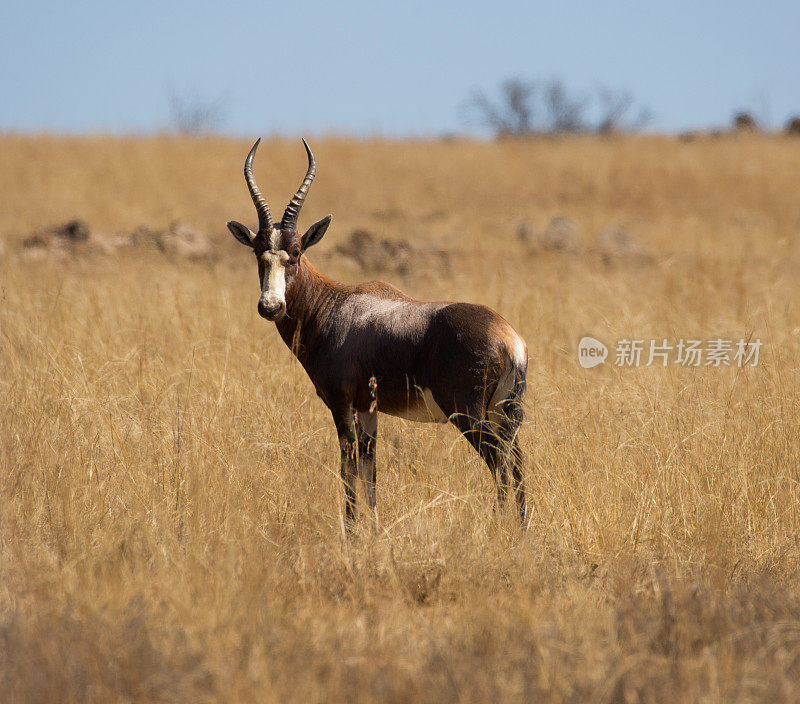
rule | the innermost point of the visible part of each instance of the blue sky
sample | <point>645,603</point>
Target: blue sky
<point>384,68</point>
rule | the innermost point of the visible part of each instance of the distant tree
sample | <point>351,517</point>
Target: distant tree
<point>550,107</point>
<point>615,108</point>
<point>191,113</point>
<point>564,113</point>
<point>511,114</point>
<point>753,116</point>
<point>793,125</point>
<point>744,121</point>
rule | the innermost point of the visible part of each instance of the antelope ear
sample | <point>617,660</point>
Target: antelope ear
<point>315,232</point>
<point>241,233</point>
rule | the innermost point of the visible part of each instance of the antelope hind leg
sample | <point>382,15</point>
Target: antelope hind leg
<point>367,438</point>
<point>346,430</point>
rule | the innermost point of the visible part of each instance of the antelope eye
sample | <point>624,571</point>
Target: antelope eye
<point>296,253</point>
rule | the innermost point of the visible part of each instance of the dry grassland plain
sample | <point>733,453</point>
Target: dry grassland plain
<point>170,507</point>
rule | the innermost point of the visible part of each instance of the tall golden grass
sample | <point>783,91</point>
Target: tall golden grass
<point>170,508</point>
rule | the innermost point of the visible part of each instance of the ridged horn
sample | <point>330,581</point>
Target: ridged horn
<point>289,220</point>
<point>264,216</point>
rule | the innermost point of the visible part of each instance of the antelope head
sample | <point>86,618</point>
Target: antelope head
<point>278,249</point>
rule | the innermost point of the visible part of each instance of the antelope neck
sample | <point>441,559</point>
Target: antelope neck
<point>310,301</point>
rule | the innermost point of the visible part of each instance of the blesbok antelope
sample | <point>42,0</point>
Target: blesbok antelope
<point>369,348</point>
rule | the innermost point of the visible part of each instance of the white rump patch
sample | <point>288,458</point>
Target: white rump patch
<point>517,360</point>
<point>519,352</point>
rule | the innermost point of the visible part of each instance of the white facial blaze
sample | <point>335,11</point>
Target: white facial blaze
<point>273,285</point>
<point>274,239</point>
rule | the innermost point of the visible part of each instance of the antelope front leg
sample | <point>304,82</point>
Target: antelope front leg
<point>346,430</point>
<point>367,437</point>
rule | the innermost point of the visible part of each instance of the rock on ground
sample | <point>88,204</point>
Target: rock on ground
<point>371,253</point>
<point>178,240</point>
<point>561,235</point>
<point>616,244</point>
<point>74,238</point>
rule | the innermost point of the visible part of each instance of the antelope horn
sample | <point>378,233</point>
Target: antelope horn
<point>289,221</point>
<point>264,216</point>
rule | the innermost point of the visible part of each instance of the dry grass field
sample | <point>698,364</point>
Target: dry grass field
<point>170,508</point>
